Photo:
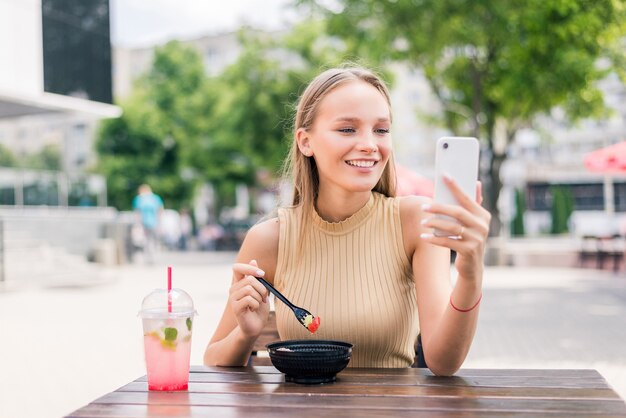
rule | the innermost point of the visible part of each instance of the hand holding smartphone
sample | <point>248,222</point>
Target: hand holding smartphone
<point>456,157</point>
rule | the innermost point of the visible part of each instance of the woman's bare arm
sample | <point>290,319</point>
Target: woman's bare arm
<point>447,334</point>
<point>247,309</point>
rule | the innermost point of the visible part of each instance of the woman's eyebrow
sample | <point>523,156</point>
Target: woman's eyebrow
<point>346,119</point>
<point>353,119</point>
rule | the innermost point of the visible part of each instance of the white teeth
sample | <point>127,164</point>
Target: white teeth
<point>363,164</point>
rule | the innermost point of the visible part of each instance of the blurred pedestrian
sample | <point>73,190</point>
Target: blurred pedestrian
<point>209,236</point>
<point>186,229</point>
<point>148,206</point>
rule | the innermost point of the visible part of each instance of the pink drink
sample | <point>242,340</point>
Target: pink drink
<point>167,339</point>
<point>167,362</point>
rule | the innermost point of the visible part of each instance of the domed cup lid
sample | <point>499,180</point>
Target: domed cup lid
<point>155,304</point>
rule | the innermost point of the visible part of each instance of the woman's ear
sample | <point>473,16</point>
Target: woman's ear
<point>304,145</point>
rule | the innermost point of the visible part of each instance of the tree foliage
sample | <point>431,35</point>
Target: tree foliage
<point>7,158</point>
<point>245,129</point>
<point>250,128</point>
<point>161,118</point>
<point>49,157</point>
<point>180,126</point>
<point>493,65</point>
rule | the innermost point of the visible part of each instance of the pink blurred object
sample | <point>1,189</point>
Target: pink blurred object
<point>412,183</point>
<point>611,159</point>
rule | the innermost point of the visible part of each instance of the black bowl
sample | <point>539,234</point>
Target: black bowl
<point>310,361</point>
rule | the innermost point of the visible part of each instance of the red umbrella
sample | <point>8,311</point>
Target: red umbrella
<point>412,183</point>
<point>608,160</point>
<point>611,159</point>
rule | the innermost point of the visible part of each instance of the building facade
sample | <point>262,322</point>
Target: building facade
<point>55,86</point>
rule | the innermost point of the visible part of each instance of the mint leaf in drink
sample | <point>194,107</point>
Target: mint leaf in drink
<point>170,334</point>
<point>188,322</point>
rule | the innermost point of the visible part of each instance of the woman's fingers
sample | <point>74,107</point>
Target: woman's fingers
<point>458,216</point>
<point>467,211</point>
<point>246,284</point>
<point>246,303</point>
<point>473,205</point>
<point>248,298</point>
<point>444,226</point>
<point>249,286</point>
<point>463,199</point>
<point>458,238</point>
<point>463,227</point>
<point>240,270</point>
<point>248,290</point>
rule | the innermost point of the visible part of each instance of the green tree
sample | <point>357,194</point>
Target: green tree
<point>162,120</point>
<point>129,153</point>
<point>243,130</point>
<point>48,158</point>
<point>7,158</point>
<point>250,125</point>
<point>493,65</point>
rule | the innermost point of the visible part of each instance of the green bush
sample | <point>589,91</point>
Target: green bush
<point>517,224</point>
<point>561,210</point>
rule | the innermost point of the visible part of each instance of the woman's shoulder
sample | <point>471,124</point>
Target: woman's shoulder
<point>261,244</point>
<point>264,231</point>
<point>411,211</point>
<point>412,202</point>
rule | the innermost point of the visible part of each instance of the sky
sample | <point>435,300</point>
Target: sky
<point>145,22</point>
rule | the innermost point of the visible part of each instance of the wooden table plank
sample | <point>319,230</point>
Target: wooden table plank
<point>561,373</point>
<point>352,390</point>
<point>577,406</point>
<point>179,411</point>
<point>595,381</point>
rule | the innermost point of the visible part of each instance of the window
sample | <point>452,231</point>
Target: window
<point>587,196</point>
<point>77,48</point>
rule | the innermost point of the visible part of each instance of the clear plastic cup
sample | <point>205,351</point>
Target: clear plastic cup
<point>167,338</point>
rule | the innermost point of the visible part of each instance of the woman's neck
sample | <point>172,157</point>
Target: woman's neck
<point>336,207</point>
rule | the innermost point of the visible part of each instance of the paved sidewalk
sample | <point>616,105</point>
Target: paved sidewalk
<point>553,318</point>
<point>70,342</point>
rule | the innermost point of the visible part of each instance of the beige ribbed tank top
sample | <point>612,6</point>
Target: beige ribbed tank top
<point>356,277</point>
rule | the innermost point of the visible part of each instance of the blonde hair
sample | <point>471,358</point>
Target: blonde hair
<point>301,169</point>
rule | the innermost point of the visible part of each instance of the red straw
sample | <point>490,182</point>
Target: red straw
<point>169,289</point>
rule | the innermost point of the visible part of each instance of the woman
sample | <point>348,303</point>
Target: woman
<point>349,251</point>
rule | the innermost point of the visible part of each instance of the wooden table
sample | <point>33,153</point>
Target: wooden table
<point>262,392</point>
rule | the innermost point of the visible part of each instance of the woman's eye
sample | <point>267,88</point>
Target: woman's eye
<point>347,130</point>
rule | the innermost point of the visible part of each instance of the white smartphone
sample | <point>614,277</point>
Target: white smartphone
<point>458,158</point>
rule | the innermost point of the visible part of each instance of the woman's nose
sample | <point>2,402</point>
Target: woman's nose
<point>368,144</point>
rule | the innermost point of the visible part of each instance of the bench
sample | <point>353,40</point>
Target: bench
<point>600,249</point>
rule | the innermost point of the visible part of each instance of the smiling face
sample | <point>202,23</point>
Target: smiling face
<point>349,138</point>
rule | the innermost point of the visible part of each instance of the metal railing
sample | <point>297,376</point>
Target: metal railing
<point>21,187</point>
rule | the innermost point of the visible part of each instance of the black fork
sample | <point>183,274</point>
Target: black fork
<point>299,312</point>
